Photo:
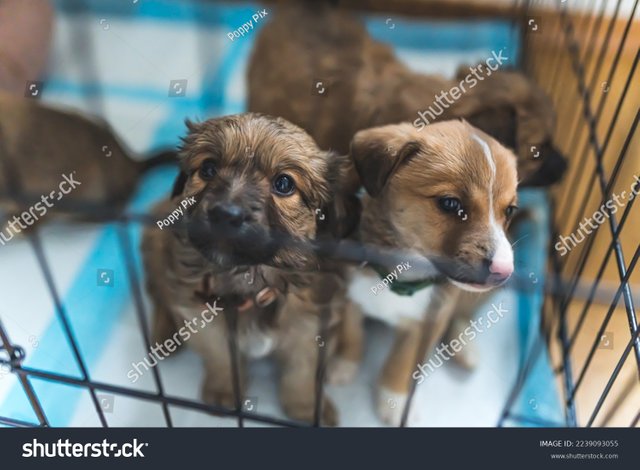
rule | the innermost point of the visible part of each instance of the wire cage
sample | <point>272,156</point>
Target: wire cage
<point>587,61</point>
<point>584,322</point>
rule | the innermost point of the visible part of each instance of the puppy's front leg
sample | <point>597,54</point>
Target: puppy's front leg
<point>213,346</point>
<point>298,354</point>
<point>393,386</point>
<point>409,345</point>
<point>163,326</point>
<point>350,335</point>
<point>466,307</point>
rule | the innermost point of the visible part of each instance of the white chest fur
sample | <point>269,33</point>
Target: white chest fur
<point>252,341</point>
<point>256,343</point>
<point>386,305</point>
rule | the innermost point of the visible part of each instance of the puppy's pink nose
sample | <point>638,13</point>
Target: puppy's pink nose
<point>501,269</point>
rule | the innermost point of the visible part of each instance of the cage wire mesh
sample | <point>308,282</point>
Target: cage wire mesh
<point>586,59</point>
<point>581,58</point>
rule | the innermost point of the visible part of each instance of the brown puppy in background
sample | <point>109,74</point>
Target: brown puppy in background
<point>256,186</point>
<point>517,113</point>
<point>39,144</point>
<point>338,80</point>
<point>446,196</point>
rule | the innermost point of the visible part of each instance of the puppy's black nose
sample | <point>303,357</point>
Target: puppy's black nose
<point>227,214</point>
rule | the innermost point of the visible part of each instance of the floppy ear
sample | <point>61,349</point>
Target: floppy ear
<point>377,153</point>
<point>340,216</point>
<point>179,184</point>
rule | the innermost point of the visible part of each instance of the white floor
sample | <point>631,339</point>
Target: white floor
<point>450,396</point>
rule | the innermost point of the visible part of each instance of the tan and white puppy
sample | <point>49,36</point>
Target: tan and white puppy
<point>444,195</point>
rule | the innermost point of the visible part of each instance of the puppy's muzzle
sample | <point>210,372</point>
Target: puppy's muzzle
<point>498,271</point>
<point>227,216</point>
<point>492,272</point>
<point>229,233</point>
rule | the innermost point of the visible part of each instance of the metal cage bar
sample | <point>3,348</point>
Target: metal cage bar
<point>586,67</point>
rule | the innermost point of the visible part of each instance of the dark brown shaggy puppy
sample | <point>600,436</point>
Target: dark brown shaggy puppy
<point>255,186</point>
<point>337,80</point>
<point>39,144</point>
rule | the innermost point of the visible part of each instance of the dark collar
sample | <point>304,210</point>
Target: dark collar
<point>407,288</point>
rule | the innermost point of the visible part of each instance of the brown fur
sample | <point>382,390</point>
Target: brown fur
<point>405,173</point>
<point>39,144</point>
<point>367,86</point>
<point>403,212</point>
<point>249,152</point>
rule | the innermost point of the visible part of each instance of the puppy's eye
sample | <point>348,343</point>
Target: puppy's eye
<point>510,211</point>
<point>283,185</point>
<point>207,170</point>
<point>450,204</point>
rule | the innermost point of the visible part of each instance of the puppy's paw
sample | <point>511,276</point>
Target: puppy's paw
<point>219,397</point>
<point>341,371</point>
<point>216,392</point>
<point>162,326</point>
<point>467,358</point>
<point>305,411</point>
<point>390,406</point>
